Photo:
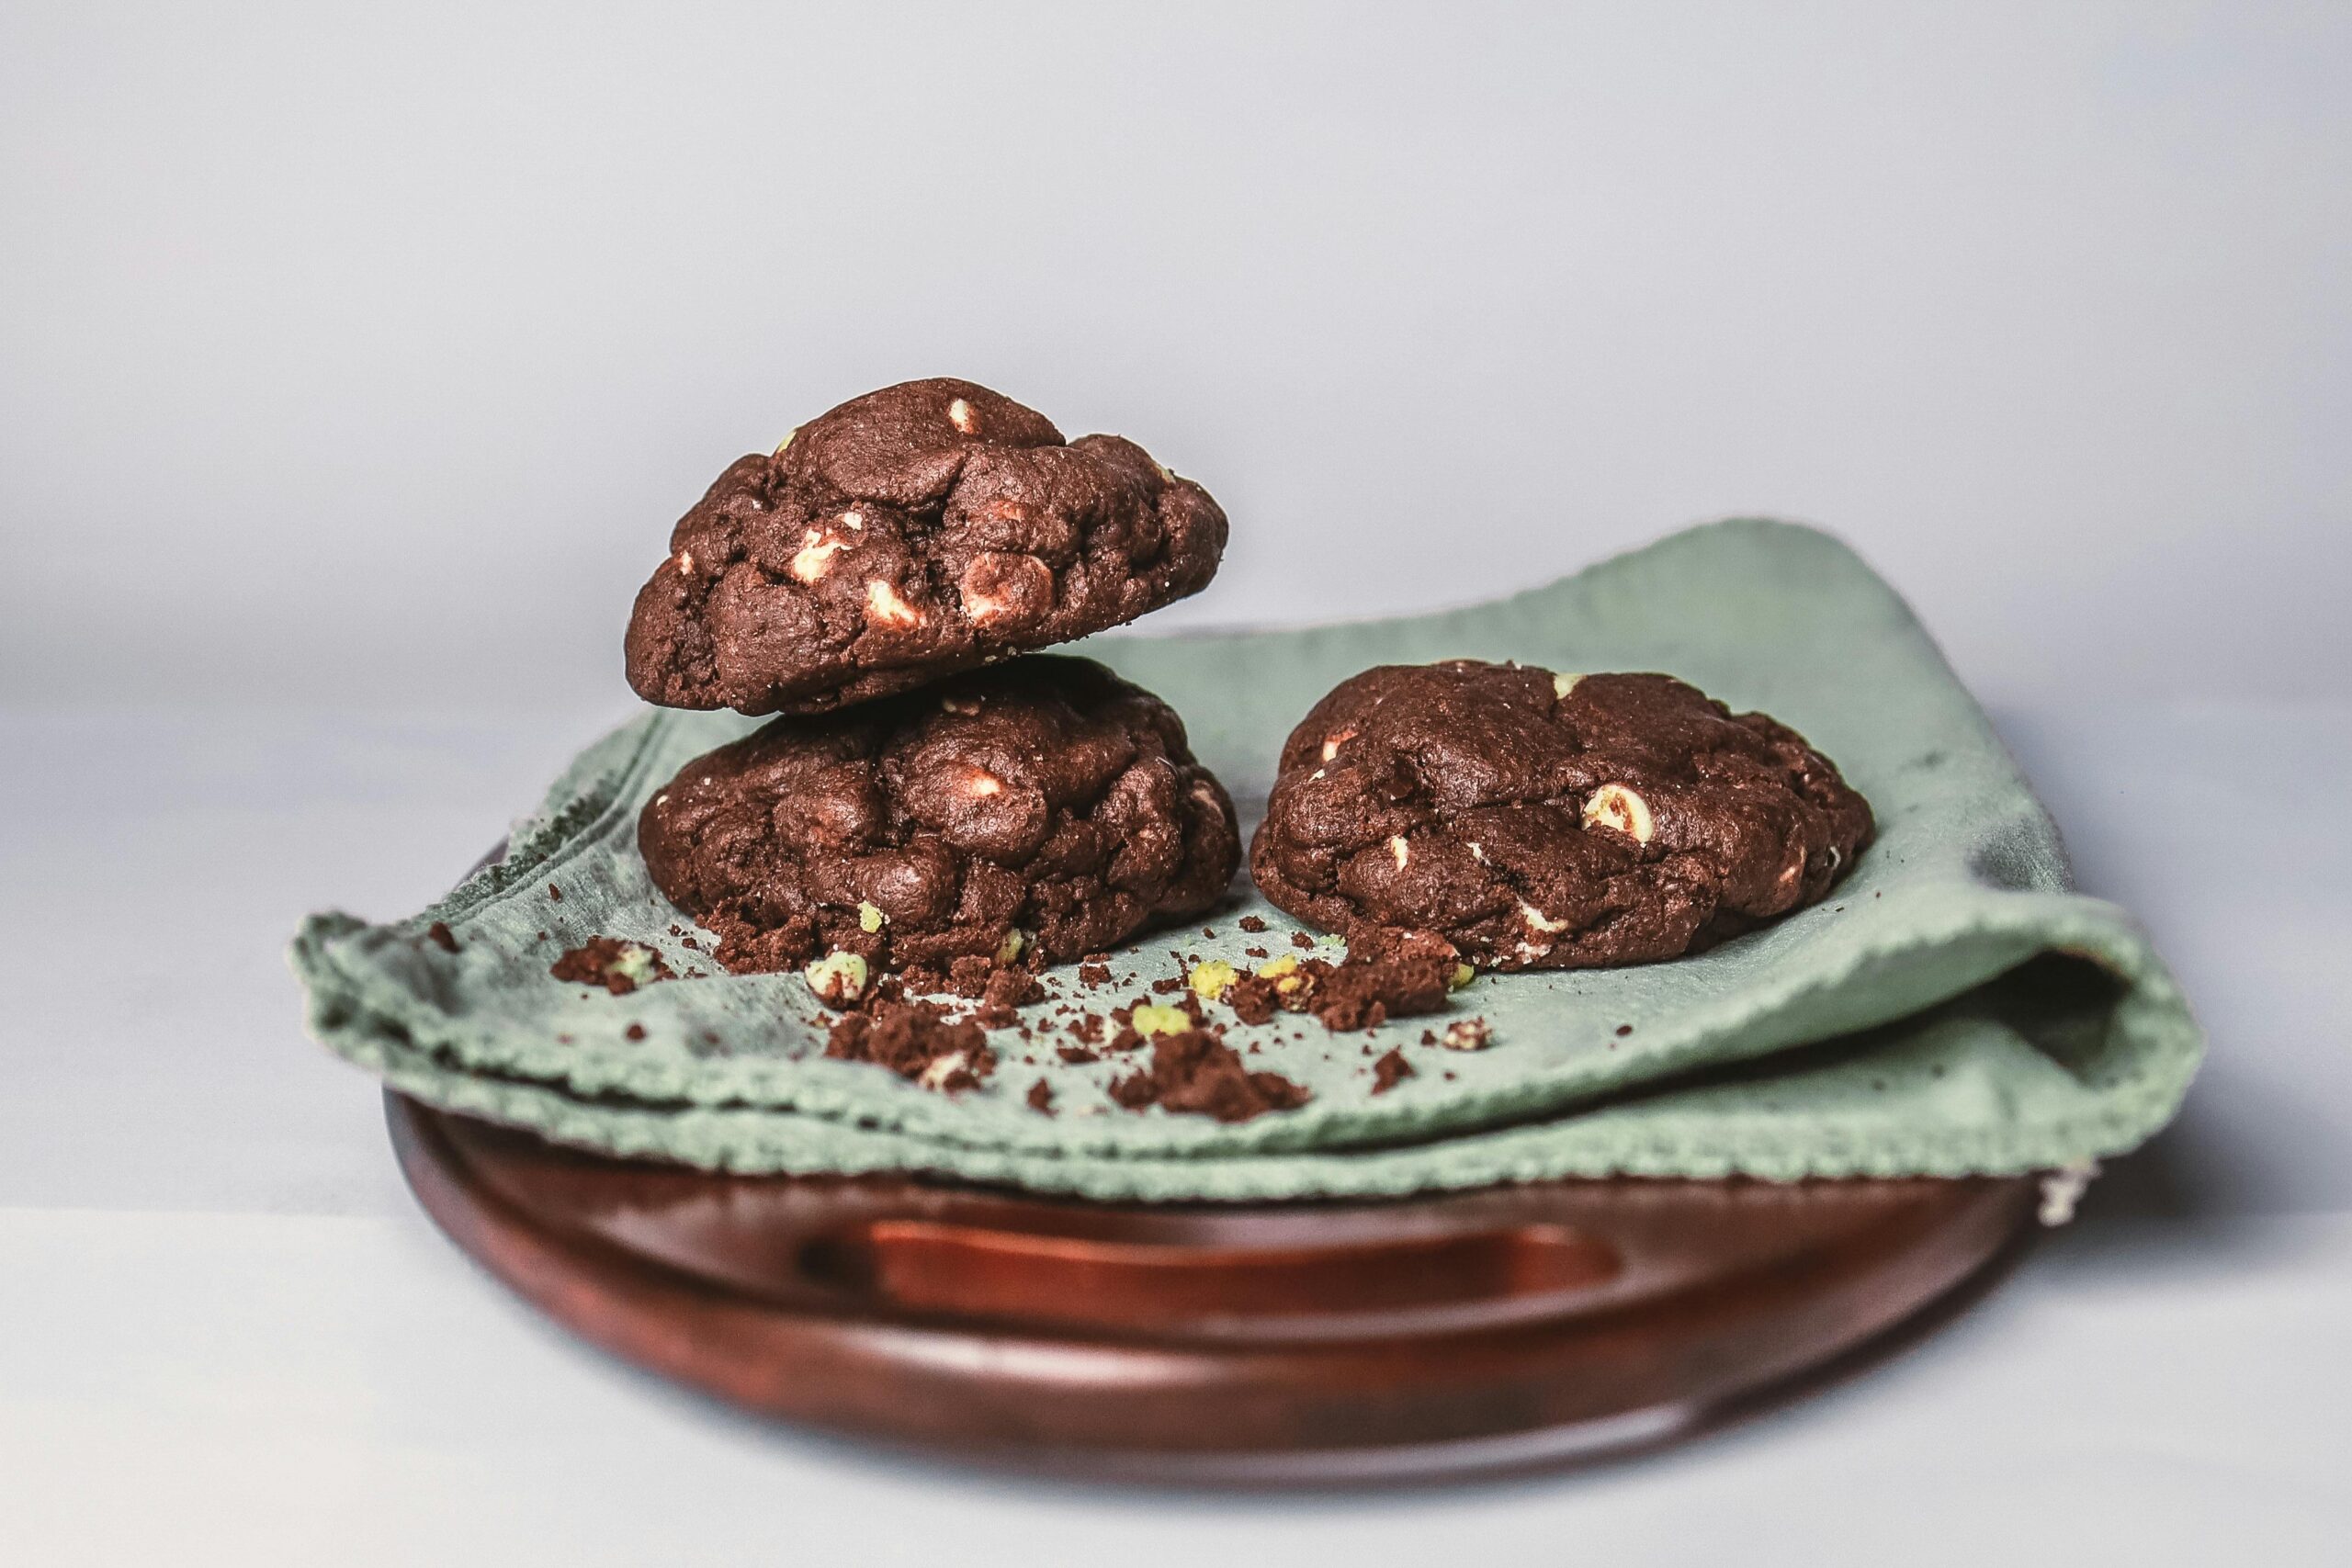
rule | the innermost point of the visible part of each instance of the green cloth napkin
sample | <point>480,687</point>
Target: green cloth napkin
<point>1952,1009</point>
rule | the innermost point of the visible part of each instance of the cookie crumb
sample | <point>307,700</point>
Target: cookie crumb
<point>917,1041</point>
<point>1466,1034</point>
<point>442,936</point>
<point>1251,924</point>
<point>1390,1071</point>
<point>1041,1097</point>
<point>1193,1073</point>
<point>635,1031</point>
<point>619,967</point>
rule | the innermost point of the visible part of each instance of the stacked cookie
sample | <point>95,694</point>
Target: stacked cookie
<point>937,794</point>
<point>939,797</point>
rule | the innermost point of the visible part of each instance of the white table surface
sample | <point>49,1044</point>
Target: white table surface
<point>227,1336</point>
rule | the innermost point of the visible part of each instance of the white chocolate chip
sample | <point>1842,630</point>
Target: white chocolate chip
<point>884,606</point>
<point>635,964</point>
<point>960,705</point>
<point>854,520</point>
<point>981,606</point>
<point>787,441</point>
<point>1331,744</point>
<point>2063,1188</point>
<point>837,979</point>
<point>815,556</point>
<point>1614,806</point>
<point>686,563</point>
<point>1015,942</point>
<point>1402,850</point>
<point>870,919</point>
<point>961,415</point>
<point>1316,774</point>
<point>942,1068</point>
<point>1466,1034</point>
<point>982,784</point>
<point>1478,852</point>
<point>1563,684</point>
<point>1538,920</point>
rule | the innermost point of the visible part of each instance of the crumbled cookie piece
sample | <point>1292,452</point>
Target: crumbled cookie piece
<point>1006,991</point>
<point>1363,993</point>
<point>443,938</point>
<point>1539,821</point>
<point>908,534</point>
<point>1390,1071</point>
<point>1358,993</point>
<point>916,1039</point>
<point>1464,1035</point>
<point>619,967</point>
<point>1195,1073</point>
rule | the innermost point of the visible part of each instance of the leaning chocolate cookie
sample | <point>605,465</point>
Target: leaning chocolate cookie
<point>915,531</point>
<point>1040,809</point>
<point>1542,821</point>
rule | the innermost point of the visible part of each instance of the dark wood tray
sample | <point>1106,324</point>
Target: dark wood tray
<point>1263,1344</point>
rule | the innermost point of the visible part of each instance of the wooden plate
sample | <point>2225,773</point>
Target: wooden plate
<point>1262,1343</point>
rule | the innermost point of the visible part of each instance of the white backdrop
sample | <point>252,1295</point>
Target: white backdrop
<point>367,353</point>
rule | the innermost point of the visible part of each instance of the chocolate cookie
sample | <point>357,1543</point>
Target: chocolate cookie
<point>1041,810</point>
<point>915,531</point>
<point>1542,821</point>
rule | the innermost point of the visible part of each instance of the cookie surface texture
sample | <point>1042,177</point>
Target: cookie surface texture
<point>1543,821</point>
<point>1037,811</point>
<point>911,532</point>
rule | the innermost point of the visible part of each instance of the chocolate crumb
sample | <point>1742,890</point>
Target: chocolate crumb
<point>555,893</point>
<point>1390,1071</point>
<point>1253,952</point>
<point>1193,1073</point>
<point>1005,990</point>
<point>916,1039</point>
<point>442,938</point>
<point>635,1031</point>
<point>1467,1034</point>
<point>1253,924</point>
<point>1076,1055</point>
<point>1301,940</point>
<point>1093,974</point>
<point>1168,986</point>
<point>1041,1097</point>
<point>619,967</point>
<point>1624,1028</point>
